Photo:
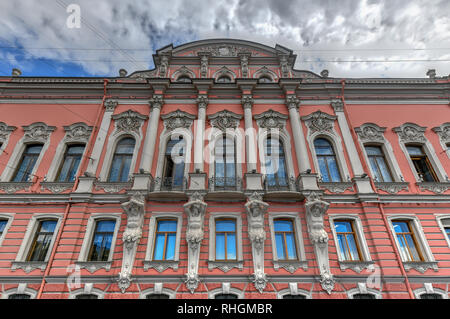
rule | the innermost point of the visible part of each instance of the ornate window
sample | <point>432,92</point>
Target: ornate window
<point>364,296</point>
<point>421,163</point>
<point>226,292</point>
<point>327,161</point>
<point>157,296</point>
<point>88,292</point>
<point>158,292</point>
<point>285,239</point>
<point>347,240</point>
<point>407,242</point>
<point>293,292</point>
<point>444,224</point>
<point>174,166</point>
<point>5,223</point>
<point>430,292</point>
<point>275,165</point>
<point>363,292</point>
<point>184,79</point>
<point>377,161</point>
<point>294,297</point>
<point>21,292</point>
<point>121,162</point>
<point>265,79</point>
<point>42,240</point>
<point>69,166</point>
<point>27,163</point>
<point>86,296</point>
<point>226,243</point>
<point>226,296</point>
<point>224,79</point>
<point>102,240</point>
<point>165,239</point>
<point>225,163</point>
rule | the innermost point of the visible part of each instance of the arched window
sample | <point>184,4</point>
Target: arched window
<point>430,296</point>
<point>86,296</point>
<point>120,167</point>
<point>327,161</point>
<point>29,158</point>
<point>224,79</point>
<point>377,160</point>
<point>363,296</point>
<point>19,296</point>
<point>71,161</point>
<point>173,174</point>
<point>225,296</point>
<point>225,163</point>
<point>276,171</point>
<point>184,79</point>
<point>294,297</point>
<point>265,79</point>
<point>157,296</point>
<point>421,163</point>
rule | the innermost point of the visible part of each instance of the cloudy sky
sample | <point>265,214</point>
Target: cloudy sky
<point>354,38</point>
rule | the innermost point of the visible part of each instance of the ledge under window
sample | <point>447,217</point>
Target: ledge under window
<point>225,266</point>
<point>420,266</point>
<point>336,187</point>
<point>28,266</point>
<point>93,266</point>
<point>290,265</point>
<point>113,187</point>
<point>160,265</point>
<point>392,187</point>
<point>57,187</point>
<point>435,187</point>
<point>13,187</point>
<point>356,266</point>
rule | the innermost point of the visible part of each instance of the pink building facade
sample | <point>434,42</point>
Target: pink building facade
<point>224,173</point>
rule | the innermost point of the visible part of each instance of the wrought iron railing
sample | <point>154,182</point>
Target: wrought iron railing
<point>170,184</point>
<point>273,185</point>
<point>225,184</point>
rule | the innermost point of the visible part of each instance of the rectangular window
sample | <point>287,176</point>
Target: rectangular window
<point>409,248</point>
<point>347,240</point>
<point>27,163</point>
<point>42,240</point>
<point>102,240</point>
<point>285,239</point>
<point>380,169</point>
<point>165,239</point>
<point>226,239</point>
<point>70,164</point>
<point>422,164</point>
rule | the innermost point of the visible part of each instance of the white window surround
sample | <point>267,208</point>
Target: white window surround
<point>120,132</point>
<point>5,133</point>
<point>289,265</point>
<point>224,71</point>
<point>161,265</point>
<point>89,236</point>
<point>182,71</point>
<point>77,133</point>
<point>36,133</point>
<point>293,290</point>
<point>424,248</point>
<point>10,218</point>
<point>222,264</point>
<point>158,289</point>
<point>21,289</point>
<point>378,139</point>
<point>264,71</point>
<point>444,221</point>
<point>361,241</point>
<point>226,289</point>
<point>444,136</point>
<point>282,135</point>
<point>20,261</point>
<point>429,289</point>
<point>336,143</point>
<point>418,138</point>
<point>234,134</point>
<point>87,290</point>
<point>165,137</point>
<point>362,289</point>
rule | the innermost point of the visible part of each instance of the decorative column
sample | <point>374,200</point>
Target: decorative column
<point>135,209</point>
<point>198,177</point>
<point>307,181</point>
<point>86,182</point>
<point>256,209</point>
<point>195,211</point>
<point>250,142</point>
<point>362,184</point>
<point>315,212</point>
<point>204,58</point>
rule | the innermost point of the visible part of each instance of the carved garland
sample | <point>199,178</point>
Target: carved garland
<point>177,119</point>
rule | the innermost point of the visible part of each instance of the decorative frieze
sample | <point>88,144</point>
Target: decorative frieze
<point>13,187</point>
<point>411,133</point>
<point>225,266</point>
<point>392,187</point>
<point>271,120</point>
<point>225,120</point>
<point>160,266</point>
<point>370,132</point>
<point>290,265</point>
<point>37,132</point>
<point>338,187</point>
<point>177,119</point>
<point>93,266</point>
<point>256,209</point>
<point>315,212</point>
<point>28,266</point>
<point>129,121</point>
<point>134,210</point>
<point>77,133</point>
<point>114,187</point>
<point>320,122</point>
<point>435,187</point>
<point>195,211</point>
<point>420,266</point>
<point>356,266</point>
<point>5,132</point>
<point>57,187</point>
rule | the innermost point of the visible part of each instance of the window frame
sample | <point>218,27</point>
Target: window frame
<point>226,234</point>
<point>385,159</point>
<point>21,289</point>
<point>414,158</point>
<point>295,291</point>
<point>362,289</point>
<point>225,289</point>
<point>440,219</point>
<point>285,246</point>
<point>165,163</point>
<point>122,156</point>
<point>429,289</point>
<point>9,220</point>
<point>157,289</point>
<point>21,159</point>
<point>87,290</point>
<point>327,156</point>
<point>63,160</point>
<point>165,239</point>
<point>225,137</point>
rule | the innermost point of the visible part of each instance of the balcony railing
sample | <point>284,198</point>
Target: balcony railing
<point>273,185</point>
<point>225,184</point>
<point>170,184</point>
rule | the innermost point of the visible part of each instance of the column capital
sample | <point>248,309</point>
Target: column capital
<point>292,102</point>
<point>202,101</point>
<point>157,101</point>
<point>110,105</point>
<point>247,101</point>
<point>337,105</point>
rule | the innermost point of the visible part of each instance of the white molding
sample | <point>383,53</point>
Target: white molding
<point>212,235</point>
<point>183,70</point>
<point>362,289</point>
<point>429,289</point>
<point>265,71</point>
<point>87,290</point>
<point>360,238</point>
<point>442,224</point>
<point>21,289</point>
<point>5,134</point>
<point>443,132</point>
<point>9,217</point>
<point>158,289</point>
<point>178,216</point>
<point>225,289</point>
<point>293,291</point>
<point>301,260</point>
<point>30,232</point>
<point>89,234</point>
<point>223,71</point>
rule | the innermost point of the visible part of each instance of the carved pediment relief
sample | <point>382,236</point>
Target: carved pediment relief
<point>129,121</point>
<point>5,131</point>
<point>319,122</point>
<point>37,132</point>
<point>177,119</point>
<point>224,120</point>
<point>370,132</point>
<point>444,132</point>
<point>78,132</point>
<point>271,119</point>
<point>183,71</point>
<point>411,133</point>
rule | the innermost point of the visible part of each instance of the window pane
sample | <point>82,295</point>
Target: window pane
<point>167,226</point>
<point>159,247</point>
<point>19,296</point>
<point>125,169</point>
<point>280,246</point>
<point>343,247</point>
<point>401,227</point>
<point>373,150</point>
<point>376,172</point>
<point>231,246</point>
<point>384,169</point>
<point>283,225</point>
<point>334,171</point>
<point>282,172</point>
<point>48,226</point>
<point>403,248</point>
<point>28,161</point>
<point>115,169</point>
<point>323,147</point>
<point>343,227</point>
<point>170,249</point>
<point>323,169</point>
<point>291,250</point>
<point>363,296</point>
<point>412,248</point>
<point>447,230</point>
<point>2,225</point>
<point>86,296</point>
<point>225,296</point>
<point>414,150</point>
<point>106,226</point>
<point>225,225</point>
<point>353,248</point>
<point>294,297</point>
<point>220,246</point>
<point>157,296</point>
<point>125,146</point>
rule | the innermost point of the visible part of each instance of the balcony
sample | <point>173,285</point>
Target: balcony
<point>225,189</point>
<point>169,188</point>
<point>282,190</point>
